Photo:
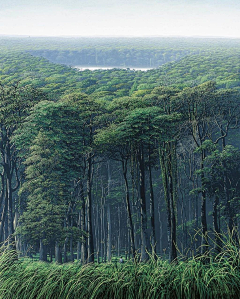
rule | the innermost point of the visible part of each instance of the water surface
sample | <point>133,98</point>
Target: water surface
<point>94,68</point>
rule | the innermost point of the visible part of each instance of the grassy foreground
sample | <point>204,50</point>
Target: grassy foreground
<point>155,279</point>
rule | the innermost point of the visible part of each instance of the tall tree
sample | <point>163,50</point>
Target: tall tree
<point>89,109</point>
<point>209,115</point>
<point>168,128</point>
<point>53,150</point>
<point>15,103</point>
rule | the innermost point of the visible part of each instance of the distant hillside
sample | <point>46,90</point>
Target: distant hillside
<point>117,52</point>
<point>205,60</point>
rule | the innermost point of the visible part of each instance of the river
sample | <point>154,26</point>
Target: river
<point>93,68</point>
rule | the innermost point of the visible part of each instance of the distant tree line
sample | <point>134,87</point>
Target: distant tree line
<point>112,57</point>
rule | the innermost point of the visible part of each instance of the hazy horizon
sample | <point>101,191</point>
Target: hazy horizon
<point>119,36</point>
<point>125,18</point>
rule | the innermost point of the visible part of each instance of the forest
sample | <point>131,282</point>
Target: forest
<point>98,165</point>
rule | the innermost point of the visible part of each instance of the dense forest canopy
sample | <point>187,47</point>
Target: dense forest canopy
<point>101,163</point>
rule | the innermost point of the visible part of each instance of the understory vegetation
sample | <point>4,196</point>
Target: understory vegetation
<point>211,276</point>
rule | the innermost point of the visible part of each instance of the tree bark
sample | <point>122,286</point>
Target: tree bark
<point>109,239</point>
<point>169,175</point>
<point>129,213</point>
<point>217,237</point>
<point>204,243</point>
<point>145,243</point>
<point>90,257</point>
<point>58,253</point>
<point>83,225</point>
<point>42,252</point>
<point>152,216</point>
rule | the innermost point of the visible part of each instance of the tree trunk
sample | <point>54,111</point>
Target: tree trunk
<point>129,213</point>
<point>160,231</point>
<point>102,233</point>
<point>173,249</point>
<point>119,232</point>
<point>58,253</point>
<point>65,258</point>
<point>71,249</point>
<point>42,252</point>
<point>169,175</point>
<point>97,232</point>
<point>152,217</point>
<point>109,225</point>
<point>109,239</point>
<point>204,243</point>
<point>11,240</point>
<point>78,250</point>
<point>145,244</point>
<point>90,257</point>
<point>3,219</point>
<point>8,170</point>
<point>217,238</point>
<point>83,225</point>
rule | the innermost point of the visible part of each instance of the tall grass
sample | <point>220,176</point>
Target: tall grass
<point>194,278</point>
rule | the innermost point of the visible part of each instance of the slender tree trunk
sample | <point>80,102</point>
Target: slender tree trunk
<point>17,238</point>
<point>109,225</point>
<point>129,213</point>
<point>145,243</point>
<point>71,249</point>
<point>83,225</point>
<point>71,236</point>
<point>58,253</point>
<point>204,244</point>
<point>119,232</point>
<point>65,258</point>
<point>42,251</point>
<point>152,217</point>
<point>102,233</point>
<point>11,241</point>
<point>104,237</point>
<point>160,231</point>
<point>196,222</point>
<point>97,232</point>
<point>51,254</point>
<point>8,170</point>
<point>78,250</point>
<point>173,251</point>
<point>79,242</point>
<point>169,175</point>
<point>229,210</point>
<point>3,219</point>
<point>217,238</point>
<point>89,209</point>
<point>109,239</point>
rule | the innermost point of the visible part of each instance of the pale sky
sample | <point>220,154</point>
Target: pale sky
<point>218,18</point>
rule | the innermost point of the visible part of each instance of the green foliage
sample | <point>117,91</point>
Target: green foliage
<point>121,113</point>
<point>220,165</point>
<point>190,278</point>
<point>52,137</point>
<point>206,145</point>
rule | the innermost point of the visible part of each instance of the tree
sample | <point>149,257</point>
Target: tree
<point>15,103</point>
<point>222,165</point>
<point>88,110</point>
<point>209,114</point>
<point>168,128</point>
<point>53,155</point>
